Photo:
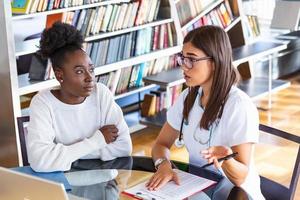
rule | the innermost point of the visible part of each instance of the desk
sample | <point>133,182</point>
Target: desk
<point>114,176</point>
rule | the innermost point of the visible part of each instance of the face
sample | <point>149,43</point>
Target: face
<point>76,75</point>
<point>201,73</point>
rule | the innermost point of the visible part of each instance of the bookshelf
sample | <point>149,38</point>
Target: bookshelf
<point>31,46</point>
<point>26,86</point>
<point>205,11</point>
<point>14,85</point>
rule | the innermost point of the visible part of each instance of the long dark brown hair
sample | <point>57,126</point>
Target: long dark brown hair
<point>214,42</point>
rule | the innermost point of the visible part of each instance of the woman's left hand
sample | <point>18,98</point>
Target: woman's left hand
<point>213,153</point>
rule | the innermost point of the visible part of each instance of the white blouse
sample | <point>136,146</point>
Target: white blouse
<point>238,125</point>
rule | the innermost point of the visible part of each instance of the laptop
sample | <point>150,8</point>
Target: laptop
<point>19,186</point>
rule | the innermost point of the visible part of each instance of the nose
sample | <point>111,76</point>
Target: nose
<point>183,67</point>
<point>89,76</point>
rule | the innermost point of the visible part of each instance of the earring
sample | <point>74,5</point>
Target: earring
<point>61,80</point>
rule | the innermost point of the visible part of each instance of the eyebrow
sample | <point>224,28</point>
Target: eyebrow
<point>83,66</point>
<point>191,54</point>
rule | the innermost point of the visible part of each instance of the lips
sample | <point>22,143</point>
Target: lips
<point>186,76</point>
<point>89,87</point>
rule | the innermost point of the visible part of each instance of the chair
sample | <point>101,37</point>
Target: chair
<point>271,189</point>
<point>22,127</point>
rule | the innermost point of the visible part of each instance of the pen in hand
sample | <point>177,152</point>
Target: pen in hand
<point>221,159</point>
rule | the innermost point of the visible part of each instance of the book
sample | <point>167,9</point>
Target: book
<point>106,19</point>
<point>51,19</point>
<point>40,6</point>
<point>189,185</point>
<point>149,105</point>
<point>57,176</point>
<point>34,6</point>
<point>21,6</point>
<point>127,15</point>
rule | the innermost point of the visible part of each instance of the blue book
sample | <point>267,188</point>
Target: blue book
<point>58,176</point>
<point>140,75</point>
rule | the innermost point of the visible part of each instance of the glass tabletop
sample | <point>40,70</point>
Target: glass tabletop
<point>95,179</point>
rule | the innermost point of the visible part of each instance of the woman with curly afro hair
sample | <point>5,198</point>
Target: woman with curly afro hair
<point>80,119</point>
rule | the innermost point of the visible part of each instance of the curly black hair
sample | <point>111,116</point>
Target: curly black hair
<point>58,40</point>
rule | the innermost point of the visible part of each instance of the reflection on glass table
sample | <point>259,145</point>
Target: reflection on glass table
<point>95,179</point>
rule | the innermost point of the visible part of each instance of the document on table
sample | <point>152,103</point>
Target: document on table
<point>189,185</point>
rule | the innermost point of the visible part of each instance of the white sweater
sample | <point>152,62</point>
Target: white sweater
<point>59,133</point>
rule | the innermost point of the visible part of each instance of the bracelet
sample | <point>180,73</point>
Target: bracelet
<point>159,161</point>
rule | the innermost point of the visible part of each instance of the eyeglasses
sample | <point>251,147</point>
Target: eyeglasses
<point>188,62</point>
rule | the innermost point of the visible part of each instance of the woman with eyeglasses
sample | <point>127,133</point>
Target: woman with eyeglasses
<point>212,116</point>
<point>78,120</point>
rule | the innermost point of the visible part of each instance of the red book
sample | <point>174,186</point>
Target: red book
<point>166,37</point>
<point>51,19</point>
<point>155,38</point>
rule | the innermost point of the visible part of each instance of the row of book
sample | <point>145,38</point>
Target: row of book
<point>158,100</point>
<point>188,9</point>
<point>252,26</point>
<point>33,6</point>
<point>112,17</point>
<point>131,44</point>
<point>220,16</point>
<point>125,79</point>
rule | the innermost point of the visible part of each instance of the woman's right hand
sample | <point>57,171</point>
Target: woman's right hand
<point>163,175</point>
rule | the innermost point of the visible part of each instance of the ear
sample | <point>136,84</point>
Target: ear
<point>58,74</point>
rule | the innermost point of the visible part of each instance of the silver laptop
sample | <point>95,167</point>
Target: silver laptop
<point>19,186</point>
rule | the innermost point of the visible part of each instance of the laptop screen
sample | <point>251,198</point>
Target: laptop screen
<point>19,186</point>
